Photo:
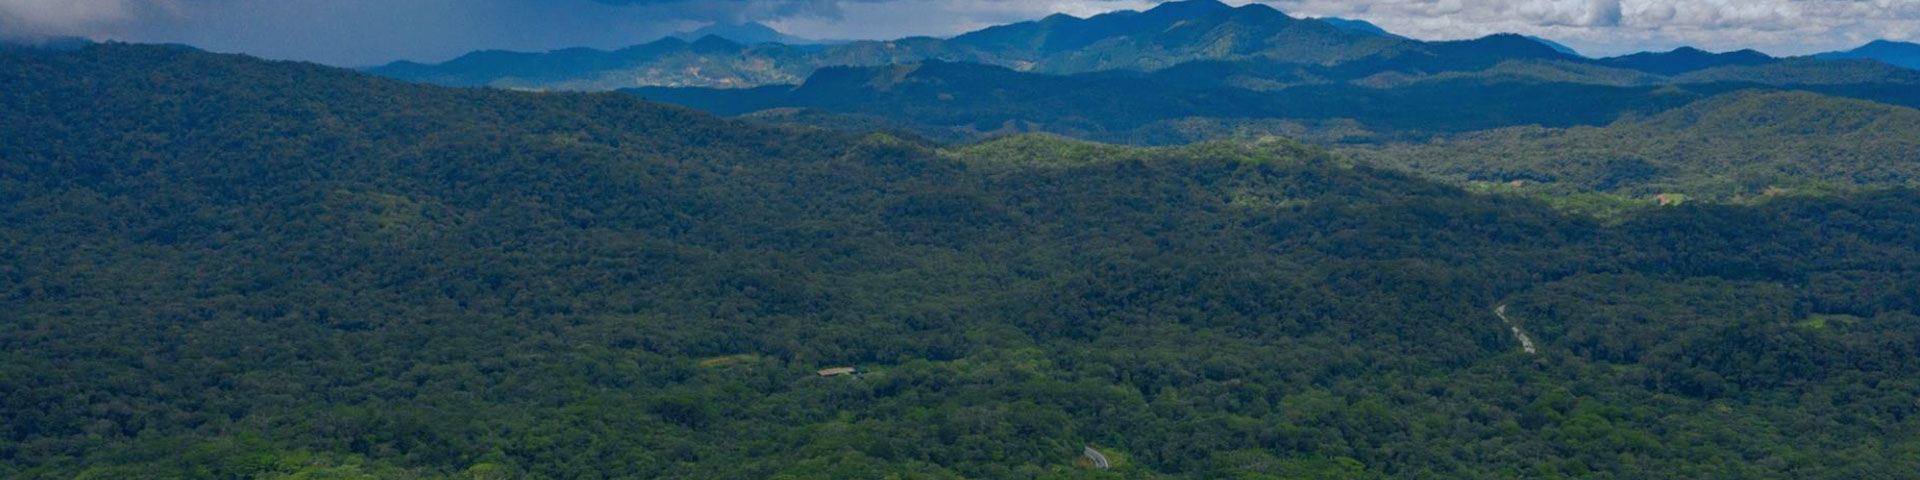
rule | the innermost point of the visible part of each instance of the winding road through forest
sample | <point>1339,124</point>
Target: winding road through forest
<point>1525,341</point>
<point>1099,461</point>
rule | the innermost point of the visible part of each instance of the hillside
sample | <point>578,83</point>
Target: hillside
<point>1808,72</point>
<point>976,99</point>
<point>706,61</point>
<point>221,267</point>
<point>1746,143</point>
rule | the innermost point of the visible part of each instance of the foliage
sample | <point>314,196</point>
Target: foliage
<point>217,267</point>
<point>1748,144</point>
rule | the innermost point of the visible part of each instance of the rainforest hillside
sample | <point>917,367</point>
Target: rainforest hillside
<point>215,267</point>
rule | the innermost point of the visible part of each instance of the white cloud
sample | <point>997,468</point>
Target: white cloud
<point>1784,27</point>
<point>59,17</point>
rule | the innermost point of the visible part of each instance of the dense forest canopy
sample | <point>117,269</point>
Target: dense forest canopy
<point>218,267</point>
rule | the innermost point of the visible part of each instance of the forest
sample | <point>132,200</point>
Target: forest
<point>1731,147</point>
<point>219,267</point>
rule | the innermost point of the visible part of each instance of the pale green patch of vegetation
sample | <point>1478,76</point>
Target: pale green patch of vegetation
<point>1052,151</point>
<point>1822,321</point>
<point>729,360</point>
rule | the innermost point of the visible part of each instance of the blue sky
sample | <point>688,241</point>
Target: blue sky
<point>363,32</point>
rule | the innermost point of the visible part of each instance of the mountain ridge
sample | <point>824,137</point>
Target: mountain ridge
<point>1253,46</point>
<point>749,33</point>
<point>1168,34</point>
<point>1899,54</point>
<point>1687,59</point>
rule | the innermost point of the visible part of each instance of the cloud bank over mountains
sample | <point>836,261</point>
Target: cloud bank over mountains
<point>1785,27</point>
<point>360,32</point>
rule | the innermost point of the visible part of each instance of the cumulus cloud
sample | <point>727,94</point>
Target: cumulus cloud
<point>1783,27</point>
<point>27,18</point>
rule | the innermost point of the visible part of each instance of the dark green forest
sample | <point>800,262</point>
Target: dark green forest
<point>217,267</point>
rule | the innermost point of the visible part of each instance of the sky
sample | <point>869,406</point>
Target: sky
<point>368,32</point>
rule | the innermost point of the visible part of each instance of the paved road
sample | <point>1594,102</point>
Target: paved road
<point>1525,342</point>
<point>1099,461</point>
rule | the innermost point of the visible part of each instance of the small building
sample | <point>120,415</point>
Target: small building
<point>838,371</point>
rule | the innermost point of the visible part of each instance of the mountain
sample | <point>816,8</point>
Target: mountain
<point>1900,54</point>
<point>750,33</point>
<point>1202,43</point>
<point>1493,49</point>
<point>1360,26</point>
<point>1166,35</point>
<point>1060,32</point>
<point>1686,59</point>
<point>1556,46</point>
<point>222,267</point>
<point>1741,144</point>
<point>1174,33</point>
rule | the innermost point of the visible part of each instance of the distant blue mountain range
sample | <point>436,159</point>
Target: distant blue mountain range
<point>1899,54</point>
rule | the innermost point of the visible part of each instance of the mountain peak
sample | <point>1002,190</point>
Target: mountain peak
<point>1187,8</point>
<point>1192,4</point>
<point>749,33</point>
